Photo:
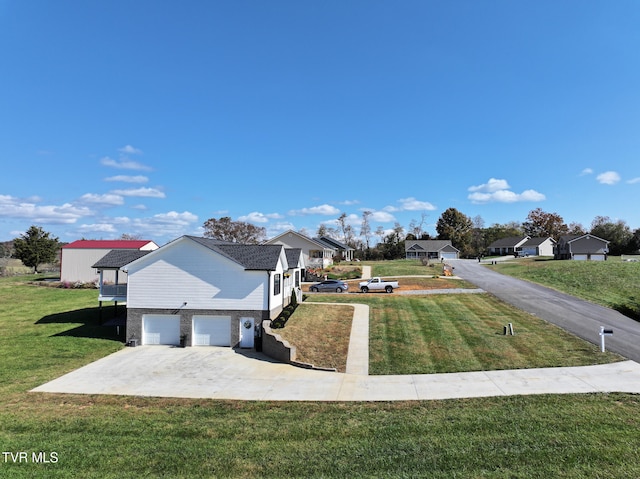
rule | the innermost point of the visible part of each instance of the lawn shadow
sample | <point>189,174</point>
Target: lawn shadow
<point>92,324</point>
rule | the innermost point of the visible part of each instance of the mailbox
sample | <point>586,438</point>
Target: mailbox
<point>604,332</point>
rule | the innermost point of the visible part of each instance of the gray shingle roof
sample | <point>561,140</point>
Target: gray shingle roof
<point>117,258</point>
<point>293,256</point>
<point>507,242</point>
<point>427,245</point>
<point>250,256</point>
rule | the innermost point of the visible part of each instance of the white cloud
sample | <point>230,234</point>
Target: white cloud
<point>49,214</point>
<point>608,178</point>
<point>382,217</point>
<point>109,199</point>
<point>491,186</point>
<point>128,179</point>
<point>633,181</point>
<point>257,217</point>
<point>141,192</point>
<point>410,204</point>
<point>586,171</point>
<point>130,150</point>
<point>124,164</point>
<point>499,191</point>
<point>97,228</point>
<point>316,210</point>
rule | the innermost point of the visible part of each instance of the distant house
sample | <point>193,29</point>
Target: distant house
<point>316,254</point>
<point>340,248</point>
<point>431,249</point>
<point>537,247</point>
<point>582,247</point>
<point>77,258</point>
<point>210,292</point>
<point>505,246</point>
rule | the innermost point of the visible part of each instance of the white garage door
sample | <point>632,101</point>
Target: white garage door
<point>449,256</point>
<point>580,257</point>
<point>212,330</point>
<point>597,257</point>
<point>160,329</point>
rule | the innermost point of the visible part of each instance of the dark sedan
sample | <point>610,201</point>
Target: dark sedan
<point>329,285</point>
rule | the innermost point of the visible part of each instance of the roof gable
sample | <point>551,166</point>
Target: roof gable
<point>248,256</point>
<point>282,239</point>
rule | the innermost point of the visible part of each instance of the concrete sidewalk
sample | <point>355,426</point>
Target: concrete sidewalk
<point>224,373</point>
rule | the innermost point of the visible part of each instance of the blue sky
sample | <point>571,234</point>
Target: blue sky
<point>150,117</point>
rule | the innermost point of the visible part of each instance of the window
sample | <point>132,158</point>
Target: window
<point>276,284</point>
<point>297,278</point>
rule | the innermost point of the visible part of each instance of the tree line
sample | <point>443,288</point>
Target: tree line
<point>469,235</point>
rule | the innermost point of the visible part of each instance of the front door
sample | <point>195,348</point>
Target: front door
<point>246,332</point>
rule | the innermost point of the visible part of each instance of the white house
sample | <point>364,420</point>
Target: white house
<point>316,254</point>
<point>77,258</point>
<point>537,247</point>
<point>431,249</point>
<point>208,292</point>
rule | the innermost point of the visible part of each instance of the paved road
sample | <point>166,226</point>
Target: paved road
<point>577,316</point>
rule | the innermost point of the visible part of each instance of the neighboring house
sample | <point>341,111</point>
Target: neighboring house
<point>505,246</point>
<point>582,247</point>
<point>537,247</point>
<point>315,253</point>
<point>432,249</point>
<point>340,249</point>
<point>77,258</point>
<point>210,292</point>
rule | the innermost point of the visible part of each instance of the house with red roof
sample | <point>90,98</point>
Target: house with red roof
<point>77,259</point>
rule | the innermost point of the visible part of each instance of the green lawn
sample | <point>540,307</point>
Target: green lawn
<point>462,332</point>
<point>612,283</point>
<point>47,332</point>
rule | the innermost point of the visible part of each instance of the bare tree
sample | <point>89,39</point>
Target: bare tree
<point>234,231</point>
<point>365,228</point>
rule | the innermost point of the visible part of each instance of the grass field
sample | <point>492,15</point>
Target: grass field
<point>459,332</point>
<point>46,332</point>
<point>612,283</point>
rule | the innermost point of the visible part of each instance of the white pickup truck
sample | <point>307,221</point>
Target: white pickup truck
<point>378,284</point>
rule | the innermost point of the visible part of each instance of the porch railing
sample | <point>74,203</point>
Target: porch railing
<point>119,290</point>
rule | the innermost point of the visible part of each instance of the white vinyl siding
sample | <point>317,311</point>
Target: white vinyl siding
<point>190,273</point>
<point>160,329</point>
<point>211,331</point>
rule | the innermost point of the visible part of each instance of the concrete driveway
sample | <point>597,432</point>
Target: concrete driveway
<point>224,373</point>
<point>577,316</point>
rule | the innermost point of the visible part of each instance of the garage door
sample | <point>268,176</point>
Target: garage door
<point>580,257</point>
<point>160,329</point>
<point>449,255</point>
<point>597,257</point>
<point>212,331</point>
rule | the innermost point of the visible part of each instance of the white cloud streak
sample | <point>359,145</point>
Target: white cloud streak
<point>498,191</point>
<point>325,210</point>
<point>608,178</point>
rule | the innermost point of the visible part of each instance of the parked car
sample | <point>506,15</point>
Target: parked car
<point>329,285</point>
